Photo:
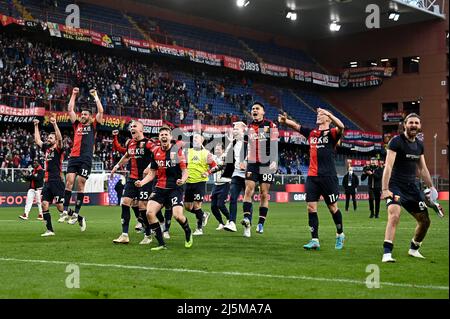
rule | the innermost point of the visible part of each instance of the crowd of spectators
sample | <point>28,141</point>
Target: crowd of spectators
<point>292,160</point>
<point>37,74</point>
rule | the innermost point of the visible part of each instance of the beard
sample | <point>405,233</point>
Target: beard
<point>412,132</point>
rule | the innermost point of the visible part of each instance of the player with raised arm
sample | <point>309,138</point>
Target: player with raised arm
<point>200,164</point>
<point>53,176</point>
<point>169,166</point>
<point>80,161</point>
<point>322,177</point>
<point>262,159</point>
<point>405,156</point>
<point>139,154</point>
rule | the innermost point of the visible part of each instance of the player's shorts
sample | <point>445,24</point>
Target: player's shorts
<point>259,173</point>
<point>139,193</point>
<point>325,186</point>
<point>409,196</point>
<point>53,190</point>
<point>168,197</point>
<point>80,166</point>
<point>194,192</point>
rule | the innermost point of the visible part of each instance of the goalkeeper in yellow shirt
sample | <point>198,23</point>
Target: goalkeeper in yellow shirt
<point>200,164</point>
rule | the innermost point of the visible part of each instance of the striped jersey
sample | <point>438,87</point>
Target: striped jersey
<point>54,157</point>
<point>322,150</point>
<point>83,140</point>
<point>140,153</point>
<point>168,165</point>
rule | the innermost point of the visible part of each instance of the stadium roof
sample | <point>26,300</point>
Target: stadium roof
<point>314,16</point>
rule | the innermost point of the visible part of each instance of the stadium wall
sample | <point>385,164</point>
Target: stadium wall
<point>364,105</point>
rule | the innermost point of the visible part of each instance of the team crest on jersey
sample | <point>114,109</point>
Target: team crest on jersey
<point>173,156</point>
<point>142,144</point>
<point>266,129</point>
<point>195,158</point>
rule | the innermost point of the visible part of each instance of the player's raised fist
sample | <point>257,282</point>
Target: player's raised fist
<point>282,117</point>
<point>115,132</point>
<point>36,122</point>
<point>52,119</point>
<point>75,90</point>
<point>93,92</point>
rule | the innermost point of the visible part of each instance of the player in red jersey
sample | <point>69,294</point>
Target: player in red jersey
<point>322,177</point>
<point>138,154</point>
<point>122,150</point>
<point>80,161</point>
<point>262,159</point>
<point>169,166</point>
<point>53,178</point>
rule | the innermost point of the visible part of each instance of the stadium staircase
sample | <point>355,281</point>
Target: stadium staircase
<point>252,52</point>
<point>22,10</point>
<point>144,34</point>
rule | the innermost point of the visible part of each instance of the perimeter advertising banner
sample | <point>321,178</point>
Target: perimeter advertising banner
<point>19,199</point>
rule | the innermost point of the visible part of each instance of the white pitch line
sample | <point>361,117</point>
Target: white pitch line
<point>246,274</point>
<point>381,227</point>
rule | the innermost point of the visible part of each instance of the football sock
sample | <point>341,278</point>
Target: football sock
<point>136,211</point>
<point>186,228</point>
<point>337,218</point>
<point>415,245</point>
<point>247,207</point>
<point>67,196</point>
<point>144,221</point>
<point>158,233</point>
<point>199,214</point>
<point>48,220</point>
<point>160,216</point>
<point>388,246</point>
<point>262,214</point>
<point>313,220</point>
<point>79,202</point>
<point>167,218</point>
<point>125,218</point>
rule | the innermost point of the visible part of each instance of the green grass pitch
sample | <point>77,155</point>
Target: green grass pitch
<point>221,264</point>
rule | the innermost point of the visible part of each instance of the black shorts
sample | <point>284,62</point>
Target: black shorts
<point>80,166</point>
<point>139,193</point>
<point>194,192</point>
<point>53,190</point>
<point>168,197</point>
<point>409,196</point>
<point>259,173</point>
<point>325,186</point>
